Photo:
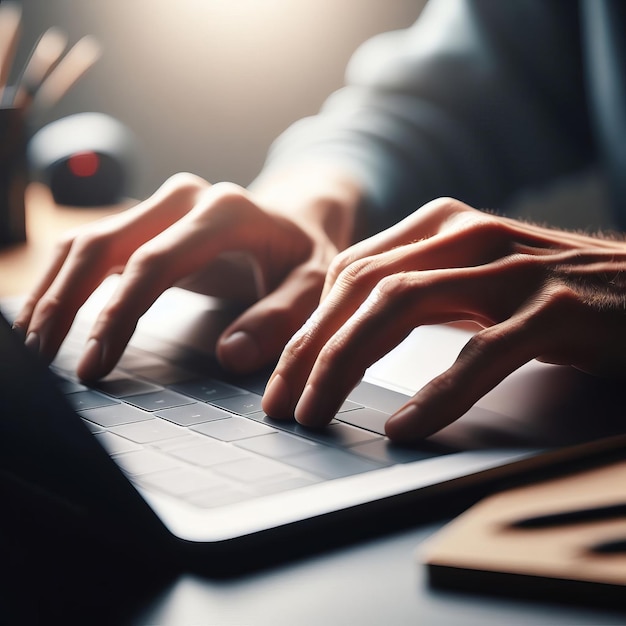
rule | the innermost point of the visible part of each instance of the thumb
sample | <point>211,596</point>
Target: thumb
<point>257,337</point>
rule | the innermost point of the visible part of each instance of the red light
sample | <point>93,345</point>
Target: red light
<point>84,164</point>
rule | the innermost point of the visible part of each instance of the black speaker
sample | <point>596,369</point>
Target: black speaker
<point>86,159</point>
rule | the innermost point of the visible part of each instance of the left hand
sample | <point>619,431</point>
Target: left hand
<point>536,293</point>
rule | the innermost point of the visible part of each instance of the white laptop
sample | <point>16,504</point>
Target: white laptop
<point>169,451</point>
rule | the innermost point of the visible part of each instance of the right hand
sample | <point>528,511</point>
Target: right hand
<point>215,239</point>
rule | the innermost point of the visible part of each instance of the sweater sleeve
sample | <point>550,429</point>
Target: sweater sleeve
<point>479,99</point>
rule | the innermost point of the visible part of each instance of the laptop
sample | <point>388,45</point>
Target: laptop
<point>169,451</point>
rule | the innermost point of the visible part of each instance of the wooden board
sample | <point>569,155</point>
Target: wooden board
<point>482,551</point>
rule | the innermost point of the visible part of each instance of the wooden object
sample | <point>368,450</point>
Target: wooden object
<point>482,551</point>
<point>22,264</point>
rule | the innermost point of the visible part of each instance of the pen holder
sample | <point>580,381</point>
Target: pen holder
<point>13,176</point>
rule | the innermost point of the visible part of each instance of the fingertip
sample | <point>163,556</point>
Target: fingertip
<point>239,352</point>
<point>407,425</point>
<point>19,330</point>
<point>90,365</point>
<point>33,342</point>
<point>276,400</point>
<point>311,409</point>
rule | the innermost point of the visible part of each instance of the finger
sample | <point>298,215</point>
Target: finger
<point>355,284</point>
<point>22,320</point>
<point>88,255</point>
<point>258,336</point>
<point>420,225</point>
<point>323,362</point>
<point>486,360</point>
<point>223,220</point>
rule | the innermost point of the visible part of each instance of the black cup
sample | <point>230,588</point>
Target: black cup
<point>13,176</point>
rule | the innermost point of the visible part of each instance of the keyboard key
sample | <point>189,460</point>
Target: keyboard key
<point>207,389</point>
<point>348,405</point>
<point>185,441</point>
<point>115,415</point>
<point>149,431</point>
<point>163,373</point>
<point>337,435</point>
<point>332,463</point>
<point>232,429</point>
<point>144,462</point>
<point>386,452</point>
<point>184,481</point>
<point>254,470</point>
<point>191,414</point>
<point>370,419</point>
<point>89,399</point>
<point>120,387</point>
<point>209,453</point>
<point>69,386</point>
<point>243,404</point>
<point>93,428</point>
<point>156,400</point>
<point>114,444</point>
<point>134,359</point>
<point>377,397</point>
<point>277,445</point>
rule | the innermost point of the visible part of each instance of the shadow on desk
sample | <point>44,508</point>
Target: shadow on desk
<point>54,572</point>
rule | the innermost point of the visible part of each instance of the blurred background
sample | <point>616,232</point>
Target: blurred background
<point>205,85</point>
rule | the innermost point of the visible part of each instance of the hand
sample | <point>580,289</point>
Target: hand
<point>216,239</point>
<point>536,292</point>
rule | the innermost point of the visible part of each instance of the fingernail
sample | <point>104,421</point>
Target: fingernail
<point>402,424</point>
<point>276,399</point>
<point>19,331</point>
<point>240,352</point>
<point>32,342</point>
<point>90,364</point>
<point>308,411</point>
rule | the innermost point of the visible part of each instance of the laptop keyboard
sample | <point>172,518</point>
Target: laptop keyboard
<point>208,442</point>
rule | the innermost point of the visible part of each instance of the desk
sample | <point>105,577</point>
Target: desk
<point>373,582</point>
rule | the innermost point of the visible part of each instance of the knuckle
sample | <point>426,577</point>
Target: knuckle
<point>557,298</point>
<point>362,272</point>
<point>341,261</point>
<point>183,183</point>
<point>482,343</point>
<point>227,195</point>
<point>446,207</point>
<point>147,261</point>
<point>395,287</point>
<point>225,203</point>
<point>331,353</point>
<point>90,244</point>
<point>337,265</point>
<point>48,307</point>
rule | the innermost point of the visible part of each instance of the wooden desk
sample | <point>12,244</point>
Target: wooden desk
<point>20,265</point>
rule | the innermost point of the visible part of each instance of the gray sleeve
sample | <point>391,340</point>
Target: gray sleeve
<point>479,99</point>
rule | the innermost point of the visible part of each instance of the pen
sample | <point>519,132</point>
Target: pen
<point>79,58</point>
<point>574,516</point>
<point>44,56</point>
<point>10,23</point>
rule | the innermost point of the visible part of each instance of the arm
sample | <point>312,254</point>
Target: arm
<point>479,99</point>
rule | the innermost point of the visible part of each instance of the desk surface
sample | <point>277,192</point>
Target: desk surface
<point>373,582</point>
<point>21,265</point>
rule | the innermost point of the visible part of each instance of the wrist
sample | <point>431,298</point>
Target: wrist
<point>319,197</point>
